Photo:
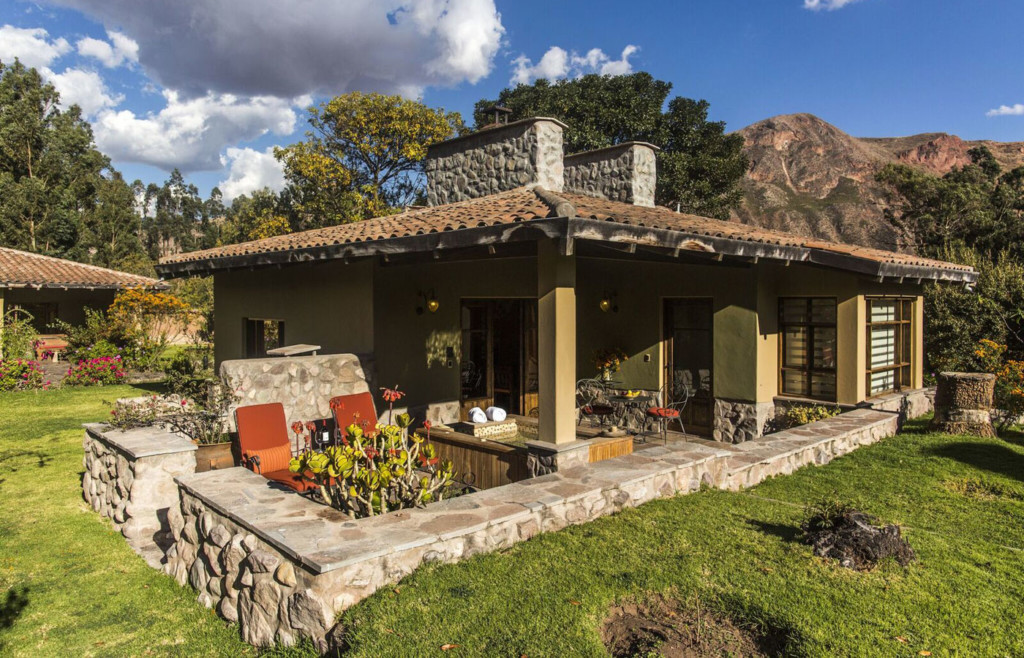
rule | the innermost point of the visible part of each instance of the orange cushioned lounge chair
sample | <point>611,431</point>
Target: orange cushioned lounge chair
<point>265,446</point>
<point>355,409</point>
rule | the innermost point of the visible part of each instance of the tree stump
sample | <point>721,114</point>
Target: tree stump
<point>963,403</point>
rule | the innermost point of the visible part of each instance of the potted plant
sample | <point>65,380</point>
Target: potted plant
<point>608,361</point>
<point>206,425</point>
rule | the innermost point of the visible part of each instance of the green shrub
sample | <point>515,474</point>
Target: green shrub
<point>189,374</point>
<point>20,375</point>
<point>17,336</point>
<point>801,414</point>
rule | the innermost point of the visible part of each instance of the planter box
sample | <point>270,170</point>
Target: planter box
<point>213,456</point>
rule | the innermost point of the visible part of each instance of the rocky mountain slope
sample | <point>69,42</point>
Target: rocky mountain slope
<point>809,177</point>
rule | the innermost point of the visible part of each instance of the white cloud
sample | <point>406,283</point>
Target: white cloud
<point>83,88</point>
<point>250,170</point>
<point>557,63</point>
<point>827,5</point>
<point>553,65</point>
<point>190,134</point>
<point>269,48</point>
<point>117,51</point>
<point>32,46</point>
<point>1015,110</point>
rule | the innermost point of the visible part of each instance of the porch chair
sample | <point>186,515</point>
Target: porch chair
<point>668,411</point>
<point>354,409</point>
<point>265,445</point>
<point>591,403</point>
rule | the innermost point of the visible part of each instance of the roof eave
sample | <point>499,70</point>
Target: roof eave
<point>569,229</point>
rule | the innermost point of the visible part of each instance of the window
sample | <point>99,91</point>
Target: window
<point>890,344</point>
<point>262,335</point>
<point>808,359</point>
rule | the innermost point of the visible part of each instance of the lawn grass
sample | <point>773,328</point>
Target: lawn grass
<point>961,501</point>
<point>85,591</point>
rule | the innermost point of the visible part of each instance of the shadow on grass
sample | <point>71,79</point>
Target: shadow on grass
<point>41,458</point>
<point>1016,437</point>
<point>990,457</point>
<point>11,607</point>
<point>788,533</point>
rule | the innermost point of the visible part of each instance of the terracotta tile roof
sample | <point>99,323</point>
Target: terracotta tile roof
<point>525,204</point>
<point>593,208</point>
<point>503,208</point>
<point>21,269</point>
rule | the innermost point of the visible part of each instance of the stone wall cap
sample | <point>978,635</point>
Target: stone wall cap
<point>547,446</point>
<point>495,129</point>
<point>620,146</point>
<point>979,376</point>
<point>141,441</point>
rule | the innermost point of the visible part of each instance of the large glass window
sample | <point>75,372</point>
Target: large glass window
<point>262,335</point>
<point>890,344</point>
<point>808,350</point>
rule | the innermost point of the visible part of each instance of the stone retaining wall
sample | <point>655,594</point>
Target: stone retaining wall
<point>282,566</point>
<point>129,478</point>
<point>303,384</point>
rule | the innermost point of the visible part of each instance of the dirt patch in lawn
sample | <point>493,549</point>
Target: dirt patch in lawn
<point>663,627</point>
<point>851,537</point>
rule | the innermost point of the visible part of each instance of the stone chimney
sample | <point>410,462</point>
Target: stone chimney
<point>496,159</point>
<point>625,172</point>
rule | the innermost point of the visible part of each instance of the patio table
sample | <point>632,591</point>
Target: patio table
<point>625,403</point>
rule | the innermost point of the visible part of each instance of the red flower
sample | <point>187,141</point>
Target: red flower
<point>392,394</point>
<point>310,426</point>
<point>336,404</point>
<point>297,427</point>
<point>427,424</point>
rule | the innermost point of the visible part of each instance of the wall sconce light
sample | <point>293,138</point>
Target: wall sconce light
<point>607,302</point>
<point>430,302</point>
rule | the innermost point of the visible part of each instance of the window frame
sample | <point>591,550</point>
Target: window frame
<point>904,332</point>
<point>260,353</point>
<point>809,369</point>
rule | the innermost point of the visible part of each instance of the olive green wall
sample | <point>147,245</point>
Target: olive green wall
<point>641,289</point>
<point>327,304</point>
<point>410,348</point>
<point>776,280</point>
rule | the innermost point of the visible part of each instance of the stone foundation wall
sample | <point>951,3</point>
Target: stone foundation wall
<point>625,172</point>
<point>303,384</point>
<point>246,580</point>
<point>737,421</point>
<point>527,152</point>
<point>129,478</point>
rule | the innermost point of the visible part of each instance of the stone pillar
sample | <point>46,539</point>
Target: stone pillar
<point>556,319</point>
<point>624,172</point>
<point>496,159</point>
<point>739,421</point>
<point>963,403</point>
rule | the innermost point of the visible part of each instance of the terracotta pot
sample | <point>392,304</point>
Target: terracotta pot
<point>213,456</point>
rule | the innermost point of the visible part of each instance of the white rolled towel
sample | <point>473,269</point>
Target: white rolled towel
<point>477,415</point>
<point>497,414</point>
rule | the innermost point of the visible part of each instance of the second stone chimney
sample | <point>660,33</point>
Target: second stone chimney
<point>624,172</point>
<point>496,159</point>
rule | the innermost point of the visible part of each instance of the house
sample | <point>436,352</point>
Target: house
<point>51,289</point>
<point>527,262</point>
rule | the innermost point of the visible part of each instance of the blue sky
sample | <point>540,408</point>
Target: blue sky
<point>211,85</point>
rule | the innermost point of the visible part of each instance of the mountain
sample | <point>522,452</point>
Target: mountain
<point>809,177</point>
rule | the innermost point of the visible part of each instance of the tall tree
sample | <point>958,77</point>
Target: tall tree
<point>254,217</point>
<point>178,221</point>
<point>50,172</point>
<point>699,165</point>
<point>110,226</point>
<point>362,157</point>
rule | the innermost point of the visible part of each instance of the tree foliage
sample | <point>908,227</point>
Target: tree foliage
<point>972,216</point>
<point>362,157</point>
<point>50,173</point>
<point>699,165</point>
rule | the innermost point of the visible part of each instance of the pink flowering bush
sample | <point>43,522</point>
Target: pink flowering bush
<point>21,374</point>
<point>96,372</point>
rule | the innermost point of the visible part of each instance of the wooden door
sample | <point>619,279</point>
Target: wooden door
<point>689,360</point>
<point>476,365</point>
